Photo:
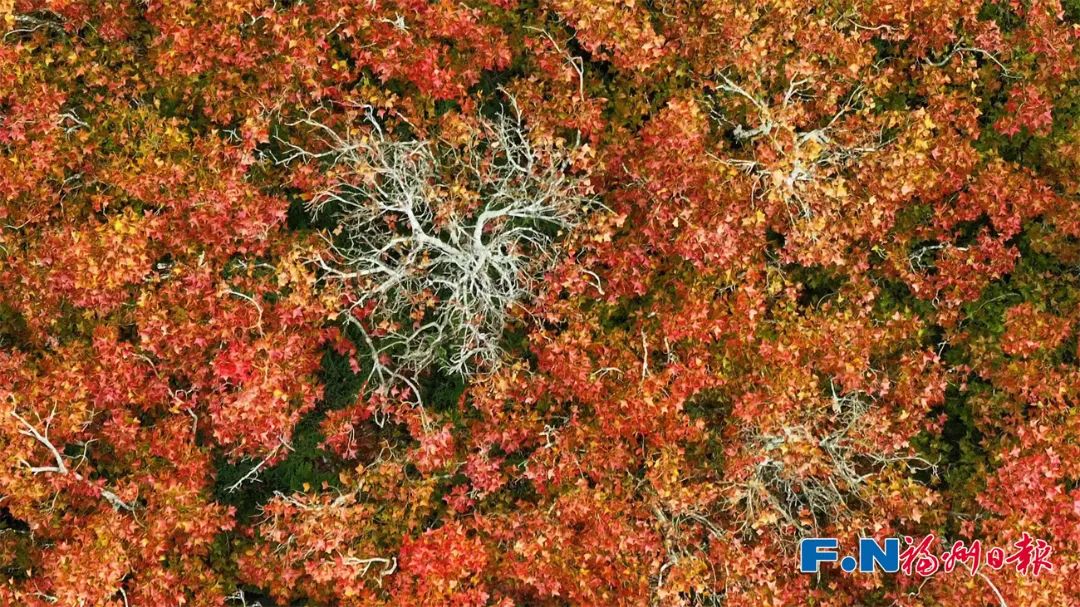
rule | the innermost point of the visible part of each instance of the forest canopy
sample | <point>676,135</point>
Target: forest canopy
<point>537,302</point>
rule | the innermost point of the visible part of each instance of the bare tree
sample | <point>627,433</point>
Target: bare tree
<point>807,158</point>
<point>436,279</point>
<point>827,481</point>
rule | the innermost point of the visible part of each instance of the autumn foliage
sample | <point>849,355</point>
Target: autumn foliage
<point>535,303</point>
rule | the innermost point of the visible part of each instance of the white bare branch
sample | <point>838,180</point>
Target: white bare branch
<point>241,598</point>
<point>389,565</point>
<point>29,430</point>
<point>253,473</point>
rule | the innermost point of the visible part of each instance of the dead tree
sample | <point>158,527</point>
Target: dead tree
<point>432,283</point>
<point>801,493</point>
